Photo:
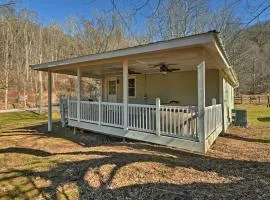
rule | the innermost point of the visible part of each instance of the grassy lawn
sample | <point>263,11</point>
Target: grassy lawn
<point>21,119</point>
<point>259,122</point>
<point>35,164</point>
<point>258,115</point>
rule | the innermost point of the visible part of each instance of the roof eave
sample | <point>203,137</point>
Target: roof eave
<point>230,72</point>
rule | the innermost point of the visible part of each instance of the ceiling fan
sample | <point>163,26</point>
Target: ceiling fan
<point>164,68</point>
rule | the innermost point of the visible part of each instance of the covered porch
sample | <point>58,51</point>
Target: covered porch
<point>166,123</point>
<point>190,117</point>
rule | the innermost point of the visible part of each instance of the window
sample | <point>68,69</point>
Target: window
<point>131,87</point>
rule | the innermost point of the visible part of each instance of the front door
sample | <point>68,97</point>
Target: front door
<point>112,90</point>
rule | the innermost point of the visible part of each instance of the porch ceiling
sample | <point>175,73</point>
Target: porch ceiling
<point>185,59</point>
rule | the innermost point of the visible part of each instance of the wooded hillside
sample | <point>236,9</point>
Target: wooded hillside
<point>24,41</point>
<point>251,58</point>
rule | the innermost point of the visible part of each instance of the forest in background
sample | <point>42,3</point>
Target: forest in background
<point>24,40</point>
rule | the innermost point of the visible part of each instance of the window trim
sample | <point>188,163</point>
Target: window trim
<point>135,86</point>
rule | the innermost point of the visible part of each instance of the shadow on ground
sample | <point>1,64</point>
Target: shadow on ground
<point>253,176</point>
<point>247,139</point>
<point>264,119</point>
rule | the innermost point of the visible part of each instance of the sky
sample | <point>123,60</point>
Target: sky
<point>59,10</point>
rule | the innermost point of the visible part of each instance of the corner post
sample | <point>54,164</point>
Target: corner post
<point>221,100</point>
<point>214,111</point>
<point>68,107</point>
<point>49,101</point>
<point>201,104</point>
<point>125,92</point>
<point>78,85</point>
<point>99,110</point>
<point>157,116</point>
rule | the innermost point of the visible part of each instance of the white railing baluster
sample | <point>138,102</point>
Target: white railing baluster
<point>174,121</point>
<point>166,117</point>
<point>133,117</point>
<point>140,117</point>
<point>179,122</point>
<point>143,124</point>
<point>169,121</point>
<point>150,118</point>
<point>146,118</point>
<point>137,117</point>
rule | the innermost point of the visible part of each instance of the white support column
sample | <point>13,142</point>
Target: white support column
<point>214,103</point>
<point>78,86</point>
<point>99,111</point>
<point>105,97</point>
<point>201,103</point>
<point>125,92</point>
<point>101,88</point>
<point>49,101</point>
<point>221,99</point>
<point>68,107</point>
<point>158,116</point>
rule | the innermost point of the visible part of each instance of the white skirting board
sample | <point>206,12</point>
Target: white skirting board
<point>212,138</point>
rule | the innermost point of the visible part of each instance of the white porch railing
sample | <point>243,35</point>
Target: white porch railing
<point>89,111</point>
<point>142,117</point>
<point>112,114</point>
<point>213,118</point>
<point>178,121</point>
<point>174,121</point>
<point>72,109</point>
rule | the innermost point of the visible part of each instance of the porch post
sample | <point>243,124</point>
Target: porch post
<point>125,92</point>
<point>99,110</point>
<point>201,103</point>
<point>49,101</point>
<point>221,99</point>
<point>158,116</point>
<point>78,85</point>
<point>68,107</point>
<point>214,112</point>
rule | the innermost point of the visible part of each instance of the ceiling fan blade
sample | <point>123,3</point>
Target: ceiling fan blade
<point>171,64</point>
<point>163,64</point>
<point>157,65</point>
<point>141,62</point>
<point>174,69</point>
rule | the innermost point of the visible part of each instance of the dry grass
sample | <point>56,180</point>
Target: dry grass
<point>35,164</point>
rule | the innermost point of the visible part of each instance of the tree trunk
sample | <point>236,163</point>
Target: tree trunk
<point>40,74</point>
<point>40,91</point>
<point>25,82</point>
<point>6,88</point>
<point>6,73</point>
<point>24,94</point>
